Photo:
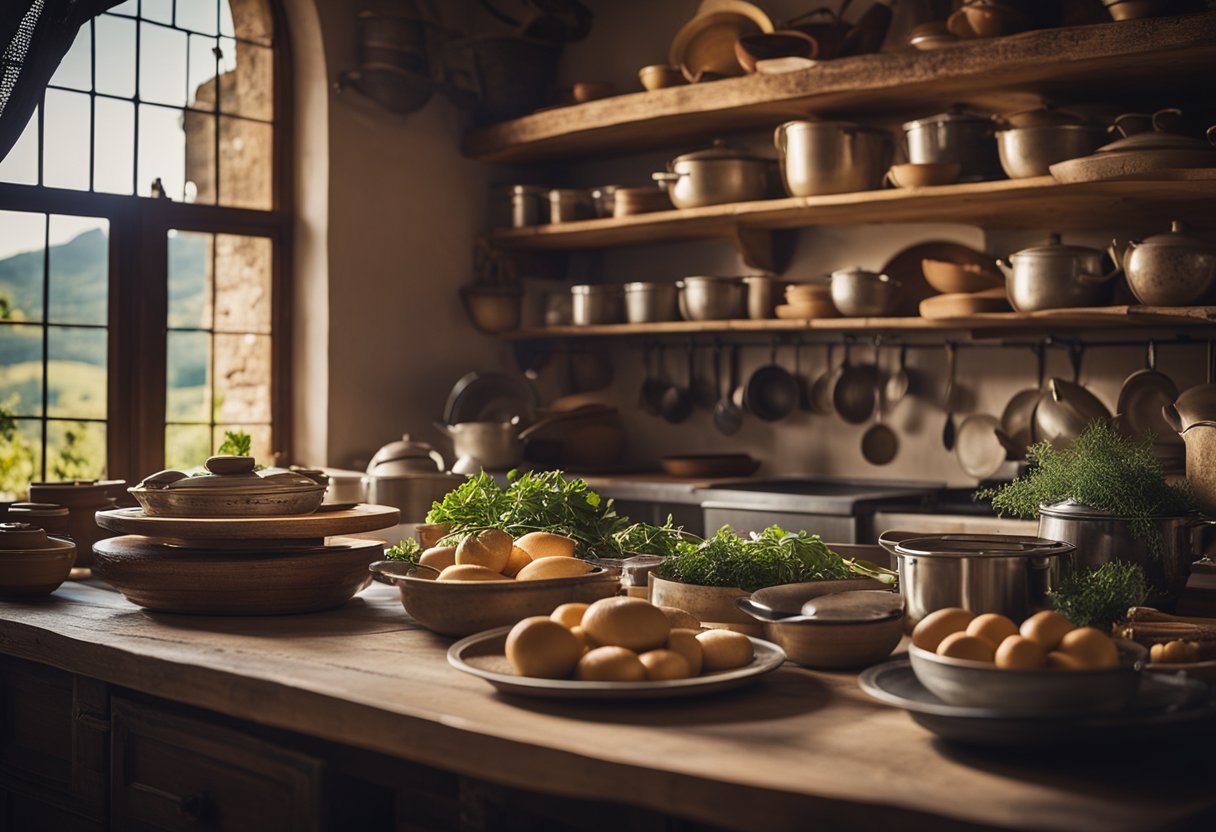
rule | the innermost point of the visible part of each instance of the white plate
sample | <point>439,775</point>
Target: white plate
<point>482,655</point>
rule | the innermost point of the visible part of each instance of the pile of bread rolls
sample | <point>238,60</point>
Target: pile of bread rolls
<point>622,639</point>
<point>1045,640</point>
<point>492,555</point>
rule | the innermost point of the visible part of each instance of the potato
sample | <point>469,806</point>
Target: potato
<point>546,568</point>
<point>610,664</point>
<point>938,624</point>
<point>518,560</point>
<point>439,557</point>
<point>724,650</point>
<point>625,622</point>
<point>539,646</point>
<point>491,549</point>
<point>468,572</point>
<point>546,545</point>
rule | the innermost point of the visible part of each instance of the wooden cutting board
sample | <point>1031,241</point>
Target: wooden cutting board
<point>250,532</point>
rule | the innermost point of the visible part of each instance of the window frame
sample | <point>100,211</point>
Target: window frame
<point>138,276</point>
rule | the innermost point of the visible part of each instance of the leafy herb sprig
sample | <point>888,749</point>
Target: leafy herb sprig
<point>405,550</point>
<point>1100,597</point>
<point>236,443</point>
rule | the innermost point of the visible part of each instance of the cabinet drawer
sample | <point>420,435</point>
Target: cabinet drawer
<point>175,773</point>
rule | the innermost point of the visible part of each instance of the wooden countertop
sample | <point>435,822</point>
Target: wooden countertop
<point>798,750</point>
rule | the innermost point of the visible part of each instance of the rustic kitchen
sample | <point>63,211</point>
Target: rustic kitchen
<point>585,415</point>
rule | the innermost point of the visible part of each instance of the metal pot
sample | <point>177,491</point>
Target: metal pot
<point>344,486</point>
<point>956,137</point>
<point>1006,574</point>
<point>521,206</point>
<point>832,157</point>
<point>405,457</point>
<point>1032,150</point>
<point>1170,269</point>
<point>597,304</point>
<point>412,495</point>
<point>647,303</point>
<point>715,176</point>
<point>493,446</point>
<point>712,298</point>
<point>1101,537</point>
<point>1057,276</point>
<point>858,293</point>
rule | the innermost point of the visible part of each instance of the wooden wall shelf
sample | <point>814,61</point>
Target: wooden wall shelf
<point>1116,63</point>
<point>984,325</point>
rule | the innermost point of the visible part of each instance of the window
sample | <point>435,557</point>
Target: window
<point>143,237</point>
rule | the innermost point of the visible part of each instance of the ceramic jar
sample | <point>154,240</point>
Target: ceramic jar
<point>31,562</point>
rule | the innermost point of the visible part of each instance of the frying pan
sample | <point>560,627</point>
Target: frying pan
<point>772,393</point>
<point>854,393</point>
<point>1016,430</point>
<point>1145,393</point>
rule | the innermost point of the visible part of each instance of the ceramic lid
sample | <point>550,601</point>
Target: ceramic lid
<point>234,475</point>
<point>719,150</point>
<point>1056,249</point>
<point>1176,237</point>
<point>22,538</point>
<point>981,545</point>
<point>415,456</point>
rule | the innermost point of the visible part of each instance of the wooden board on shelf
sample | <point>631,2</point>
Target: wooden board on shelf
<point>1112,62</point>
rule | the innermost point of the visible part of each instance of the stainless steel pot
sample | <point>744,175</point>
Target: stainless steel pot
<point>494,446</point>
<point>647,303</point>
<point>1170,269</point>
<point>956,137</point>
<point>520,206</point>
<point>858,293</point>
<point>404,457</point>
<point>1006,574</point>
<point>570,205</point>
<point>1101,537</point>
<point>597,304</point>
<point>712,298</point>
<point>1057,276</point>
<point>412,495</point>
<point>832,157</point>
<point>715,176</point>
<point>1031,151</point>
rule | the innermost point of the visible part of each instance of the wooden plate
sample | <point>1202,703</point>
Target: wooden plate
<point>960,305</point>
<point>907,267</point>
<point>807,310</point>
<point>482,655</point>
<point>202,582</point>
<point>248,532</point>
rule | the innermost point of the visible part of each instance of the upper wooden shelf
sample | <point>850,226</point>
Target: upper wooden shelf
<point>1110,62</point>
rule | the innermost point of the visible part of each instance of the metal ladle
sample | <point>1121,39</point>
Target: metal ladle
<point>728,416</point>
<point>898,383</point>
<point>676,406</point>
<point>949,431</point>
<point>879,444</point>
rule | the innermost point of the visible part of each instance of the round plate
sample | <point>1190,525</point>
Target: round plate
<point>482,655</point>
<point>1165,709</point>
<point>980,454</point>
<point>489,397</point>
<point>211,531</point>
<point>1141,398</point>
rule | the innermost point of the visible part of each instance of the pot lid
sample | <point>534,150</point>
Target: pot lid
<point>40,509</point>
<point>234,475</point>
<point>1176,237</point>
<point>982,545</point>
<point>1079,511</point>
<point>1041,117</point>
<point>407,450</point>
<point>956,114</point>
<point>1155,140</point>
<point>720,150</point>
<point>20,538</point>
<point>1054,248</point>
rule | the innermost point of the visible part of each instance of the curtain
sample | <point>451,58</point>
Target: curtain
<point>34,37</point>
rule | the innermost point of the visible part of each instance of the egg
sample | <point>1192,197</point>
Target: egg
<point>1178,652</point>
<point>938,624</point>
<point>624,621</point>
<point>1064,661</point>
<point>1090,646</point>
<point>663,665</point>
<point>1047,628</point>
<point>583,644</point>
<point>569,615</point>
<point>685,643</point>
<point>517,561</point>
<point>490,548</point>
<point>724,650</point>
<point>539,646</point>
<point>610,664</point>
<point>963,646</point>
<point>992,627</point>
<point>1020,653</point>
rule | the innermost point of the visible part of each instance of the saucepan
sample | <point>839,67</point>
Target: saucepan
<point>492,446</point>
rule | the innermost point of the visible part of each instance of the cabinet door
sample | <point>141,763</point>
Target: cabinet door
<point>178,773</point>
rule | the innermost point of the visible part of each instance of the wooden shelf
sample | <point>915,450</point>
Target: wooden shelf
<point>1114,63</point>
<point>1038,203</point>
<point>990,324</point>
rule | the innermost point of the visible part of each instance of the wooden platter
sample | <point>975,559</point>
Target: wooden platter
<point>260,533</point>
<point>482,655</point>
<point>202,582</point>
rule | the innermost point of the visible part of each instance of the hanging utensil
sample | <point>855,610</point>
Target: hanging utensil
<point>1016,429</point>
<point>704,391</point>
<point>1067,408</point>
<point>771,393</point>
<point>853,394</point>
<point>804,392</point>
<point>898,383</point>
<point>677,401</point>
<point>948,431</point>
<point>821,390</point>
<point>1141,399</point>
<point>879,444</point>
<point>980,452</point>
<point>650,398</point>
<point>728,417</point>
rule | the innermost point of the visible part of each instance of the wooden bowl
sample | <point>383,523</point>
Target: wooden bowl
<point>492,309</point>
<point>987,19</point>
<point>713,606</point>
<point>807,310</point>
<point>960,305</point>
<point>954,277</point>
<point>923,175</point>
<point>803,292</point>
<point>661,76</point>
<point>26,574</point>
<point>223,582</point>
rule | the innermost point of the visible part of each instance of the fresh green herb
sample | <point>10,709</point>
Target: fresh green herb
<point>771,557</point>
<point>405,550</point>
<point>1100,597</point>
<point>236,443</point>
<point>1103,470</point>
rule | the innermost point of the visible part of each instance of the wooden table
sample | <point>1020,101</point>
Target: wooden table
<point>800,750</point>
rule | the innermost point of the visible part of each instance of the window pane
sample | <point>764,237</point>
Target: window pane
<point>65,149</point>
<point>162,65</point>
<point>22,237</point>
<point>21,163</point>
<point>189,280</point>
<point>76,68</point>
<point>75,451</point>
<point>115,56</point>
<point>130,7</point>
<point>246,19</point>
<point>22,463</point>
<point>203,65</point>
<point>187,446</point>
<point>197,15</point>
<point>114,146</point>
<point>21,369</point>
<point>250,92</point>
<point>242,379</point>
<point>245,163</point>
<point>188,397</point>
<point>200,157</point>
<point>158,10</point>
<point>79,263</point>
<point>259,440</point>
<point>162,150</point>
<point>76,372</point>
<point>242,283</point>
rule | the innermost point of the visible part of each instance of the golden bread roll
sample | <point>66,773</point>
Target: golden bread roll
<point>438,557</point>
<point>724,650</point>
<point>491,549</point>
<point>569,615</point>
<point>546,568</point>
<point>935,626</point>
<point>1020,653</point>
<point>992,627</point>
<point>469,572</point>
<point>539,646</point>
<point>1047,628</point>
<point>546,545</point>
<point>963,646</point>
<point>680,619</point>
<point>610,664</point>
<point>625,622</point>
<point>662,665</point>
<point>583,643</point>
<point>1090,646</point>
<point>685,643</point>
<point>517,561</point>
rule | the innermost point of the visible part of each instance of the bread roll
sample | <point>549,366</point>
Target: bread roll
<point>724,650</point>
<point>663,665</point>
<point>539,646</point>
<point>626,622</point>
<point>546,568</point>
<point>610,664</point>
<point>546,545</point>
<point>569,615</point>
<point>518,560</point>
<point>491,549</point>
<point>468,572</point>
<point>438,557</point>
<point>685,643</point>
<point>680,619</point>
